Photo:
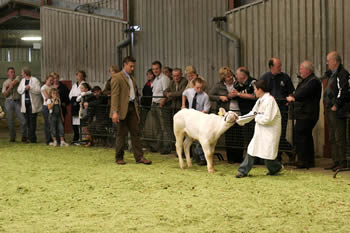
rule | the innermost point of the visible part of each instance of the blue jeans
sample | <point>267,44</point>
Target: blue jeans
<point>273,166</point>
<point>11,107</point>
<point>198,150</point>
<point>45,111</point>
<point>56,126</point>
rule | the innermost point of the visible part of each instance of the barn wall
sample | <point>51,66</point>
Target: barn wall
<point>113,4</point>
<point>75,41</point>
<point>180,33</point>
<point>294,31</point>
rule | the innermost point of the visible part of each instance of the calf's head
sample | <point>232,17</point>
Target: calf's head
<point>229,117</point>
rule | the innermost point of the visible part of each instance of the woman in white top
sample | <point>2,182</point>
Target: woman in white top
<point>73,94</point>
<point>45,92</point>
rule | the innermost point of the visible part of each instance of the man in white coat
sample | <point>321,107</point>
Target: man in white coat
<point>267,133</point>
<point>31,102</point>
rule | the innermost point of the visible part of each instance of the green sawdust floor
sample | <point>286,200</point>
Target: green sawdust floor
<point>77,189</point>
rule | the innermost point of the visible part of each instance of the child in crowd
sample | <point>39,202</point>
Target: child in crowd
<point>85,94</point>
<point>198,100</point>
<point>56,117</point>
<point>83,99</point>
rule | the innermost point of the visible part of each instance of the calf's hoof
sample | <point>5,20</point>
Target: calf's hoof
<point>211,171</point>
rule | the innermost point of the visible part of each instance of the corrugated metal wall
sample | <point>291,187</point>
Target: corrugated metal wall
<point>75,41</point>
<point>293,30</point>
<point>113,4</point>
<point>179,33</point>
<point>3,2</point>
<point>19,55</point>
<point>288,29</point>
<point>338,30</point>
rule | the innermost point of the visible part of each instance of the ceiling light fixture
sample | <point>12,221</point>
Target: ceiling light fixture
<point>31,38</point>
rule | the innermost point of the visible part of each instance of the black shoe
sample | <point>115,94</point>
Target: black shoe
<point>302,166</point>
<point>24,139</point>
<point>202,163</point>
<point>13,140</point>
<point>275,173</point>
<point>165,152</point>
<point>331,167</point>
<point>240,175</point>
<point>339,167</point>
<point>153,150</point>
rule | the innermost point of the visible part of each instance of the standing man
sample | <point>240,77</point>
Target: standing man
<point>160,83</point>
<point>306,112</point>
<point>31,102</point>
<point>13,104</point>
<point>335,97</point>
<point>124,111</point>
<point>280,86</point>
<point>173,100</point>
<point>173,93</point>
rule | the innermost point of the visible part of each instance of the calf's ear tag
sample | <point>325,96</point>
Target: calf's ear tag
<point>220,114</point>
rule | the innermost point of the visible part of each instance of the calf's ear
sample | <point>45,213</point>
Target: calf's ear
<point>221,112</point>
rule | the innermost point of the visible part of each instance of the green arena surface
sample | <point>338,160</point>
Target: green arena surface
<point>78,189</point>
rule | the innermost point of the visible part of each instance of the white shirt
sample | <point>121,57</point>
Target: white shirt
<point>47,89</point>
<point>203,102</point>
<point>132,92</point>
<point>34,93</point>
<point>159,84</point>
<point>233,103</point>
<point>75,91</point>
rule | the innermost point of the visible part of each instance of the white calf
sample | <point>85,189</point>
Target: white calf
<point>206,128</point>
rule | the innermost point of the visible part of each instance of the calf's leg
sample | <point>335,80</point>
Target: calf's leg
<point>187,144</point>
<point>208,152</point>
<point>179,142</point>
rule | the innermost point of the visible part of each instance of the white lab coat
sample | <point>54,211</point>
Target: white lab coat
<point>34,93</point>
<point>265,141</point>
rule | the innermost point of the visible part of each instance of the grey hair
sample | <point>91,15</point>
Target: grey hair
<point>308,65</point>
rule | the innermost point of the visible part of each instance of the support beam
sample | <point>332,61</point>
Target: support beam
<point>20,12</point>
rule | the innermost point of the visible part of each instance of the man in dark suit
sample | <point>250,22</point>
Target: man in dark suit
<point>124,111</point>
<point>306,112</point>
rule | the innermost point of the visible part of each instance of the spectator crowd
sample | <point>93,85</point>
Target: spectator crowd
<point>167,90</point>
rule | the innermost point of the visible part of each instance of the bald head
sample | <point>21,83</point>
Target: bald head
<point>333,60</point>
<point>306,68</point>
<point>275,65</point>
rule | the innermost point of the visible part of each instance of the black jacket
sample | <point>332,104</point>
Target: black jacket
<point>280,86</point>
<point>338,90</point>
<point>146,99</point>
<point>99,109</point>
<point>307,98</point>
<point>246,105</point>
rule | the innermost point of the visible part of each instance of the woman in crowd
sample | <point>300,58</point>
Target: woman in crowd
<point>63,92</point>
<point>146,99</point>
<point>113,69</point>
<point>73,94</point>
<point>45,92</point>
<point>225,95</point>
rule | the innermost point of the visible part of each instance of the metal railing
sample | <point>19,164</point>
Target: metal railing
<point>157,126</point>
